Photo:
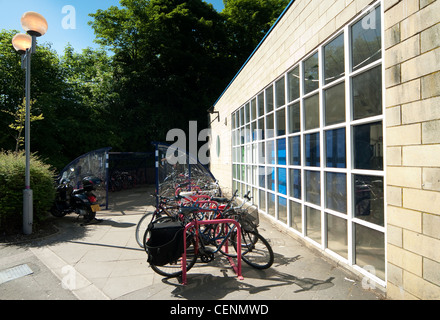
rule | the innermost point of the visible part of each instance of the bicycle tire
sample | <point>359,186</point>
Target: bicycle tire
<point>173,269</point>
<point>256,250</point>
<point>141,228</point>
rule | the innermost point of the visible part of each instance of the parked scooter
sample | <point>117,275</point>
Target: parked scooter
<point>82,201</point>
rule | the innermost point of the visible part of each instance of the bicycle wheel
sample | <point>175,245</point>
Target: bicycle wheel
<point>255,250</point>
<point>174,269</point>
<point>143,224</point>
<point>141,228</point>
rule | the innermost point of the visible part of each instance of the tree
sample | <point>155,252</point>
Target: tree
<point>247,22</point>
<point>19,121</point>
<point>169,64</point>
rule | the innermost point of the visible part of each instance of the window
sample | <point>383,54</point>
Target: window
<point>293,84</point>
<point>311,112</point>
<point>366,40</point>
<point>311,74</point>
<point>280,93</point>
<point>335,104</point>
<point>334,67</point>
<point>314,154</point>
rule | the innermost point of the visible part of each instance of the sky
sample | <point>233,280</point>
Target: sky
<point>67,19</point>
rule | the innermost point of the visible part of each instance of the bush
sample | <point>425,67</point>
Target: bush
<point>12,183</point>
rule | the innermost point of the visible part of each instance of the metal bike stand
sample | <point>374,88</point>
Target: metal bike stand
<point>195,223</point>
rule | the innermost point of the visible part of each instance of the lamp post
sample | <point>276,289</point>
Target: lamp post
<point>35,25</point>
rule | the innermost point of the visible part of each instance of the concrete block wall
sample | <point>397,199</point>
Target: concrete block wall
<point>412,81</point>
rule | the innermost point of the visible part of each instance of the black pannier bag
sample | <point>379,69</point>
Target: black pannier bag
<point>166,242</point>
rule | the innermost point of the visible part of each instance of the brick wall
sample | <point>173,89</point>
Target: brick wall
<point>412,80</point>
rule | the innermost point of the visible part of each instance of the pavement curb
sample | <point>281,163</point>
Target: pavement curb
<point>70,278</point>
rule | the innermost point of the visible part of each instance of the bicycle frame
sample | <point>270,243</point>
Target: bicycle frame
<point>196,223</point>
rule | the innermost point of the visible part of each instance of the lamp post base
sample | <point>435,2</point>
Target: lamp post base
<point>27,211</point>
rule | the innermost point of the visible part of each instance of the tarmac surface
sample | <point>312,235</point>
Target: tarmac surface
<point>104,262</point>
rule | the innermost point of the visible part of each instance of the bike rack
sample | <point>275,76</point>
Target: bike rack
<point>195,223</point>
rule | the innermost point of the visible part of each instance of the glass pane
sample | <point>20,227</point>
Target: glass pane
<point>337,235</point>
<point>336,191</point>
<point>367,94</point>
<point>282,209</point>
<point>282,181</point>
<point>312,150</point>
<point>281,151</point>
<point>293,83</point>
<point>262,200</point>
<point>311,74</point>
<point>248,133</point>
<point>313,222</point>
<point>262,177</point>
<point>270,152</point>
<point>246,113</point>
<point>270,126</point>
<point>269,99</point>
<point>368,199</point>
<point>241,116</point>
<point>280,93</point>
<point>335,104</point>
<point>260,104</point>
<point>261,129</point>
<point>254,132</point>
<point>295,216</point>
<point>366,40</point>
<point>261,153</point>
<point>295,183</point>
<point>254,109</point>
<point>281,122</point>
<point>335,148</point>
<point>271,204</point>
<point>370,250</point>
<point>334,60</point>
<point>313,187</point>
<point>295,151</point>
<point>311,112</point>
<point>270,178</point>
<point>294,120</point>
<point>368,146</point>
<point>233,124</point>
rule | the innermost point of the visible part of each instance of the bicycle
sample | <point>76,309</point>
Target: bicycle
<point>166,207</point>
<point>255,249</point>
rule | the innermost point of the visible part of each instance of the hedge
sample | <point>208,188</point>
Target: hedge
<point>12,183</point>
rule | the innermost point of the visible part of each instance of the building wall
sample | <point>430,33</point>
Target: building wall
<point>412,62</point>
<point>412,120</point>
<point>303,27</point>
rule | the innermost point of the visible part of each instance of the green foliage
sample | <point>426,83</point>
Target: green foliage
<point>19,121</point>
<point>12,176</point>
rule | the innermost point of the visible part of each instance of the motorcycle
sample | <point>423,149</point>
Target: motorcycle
<point>82,201</point>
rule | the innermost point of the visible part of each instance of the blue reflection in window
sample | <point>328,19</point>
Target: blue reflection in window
<point>282,181</point>
<point>312,150</point>
<point>281,151</point>
<point>335,148</point>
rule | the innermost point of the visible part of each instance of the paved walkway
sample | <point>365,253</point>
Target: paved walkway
<point>104,262</point>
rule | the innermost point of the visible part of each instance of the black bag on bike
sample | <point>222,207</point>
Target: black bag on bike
<point>166,242</point>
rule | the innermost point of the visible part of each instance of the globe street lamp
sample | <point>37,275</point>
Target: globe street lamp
<point>35,25</point>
